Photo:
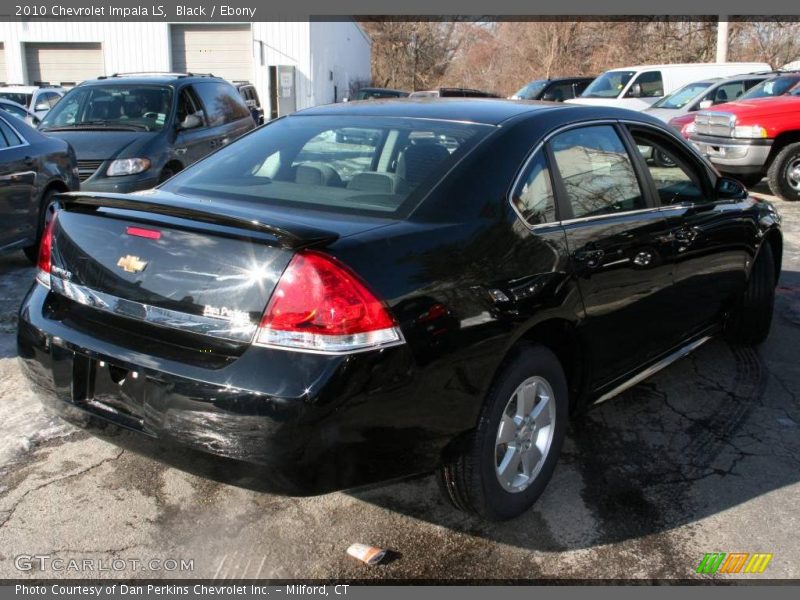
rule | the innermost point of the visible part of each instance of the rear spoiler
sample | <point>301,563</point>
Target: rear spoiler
<point>288,234</point>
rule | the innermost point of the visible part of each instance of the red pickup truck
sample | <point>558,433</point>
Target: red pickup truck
<point>752,138</point>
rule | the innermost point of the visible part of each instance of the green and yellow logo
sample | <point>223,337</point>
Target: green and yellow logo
<point>733,562</point>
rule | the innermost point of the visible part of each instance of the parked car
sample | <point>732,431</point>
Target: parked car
<point>703,94</point>
<point>33,168</point>
<point>556,89</point>
<point>452,93</point>
<point>249,94</point>
<point>641,86</point>
<point>323,318</point>
<point>776,84</point>
<point>20,112</point>
<point>132,132</point>
<point>753,138</point>
<point>371,93</point>
<point>38,99</point>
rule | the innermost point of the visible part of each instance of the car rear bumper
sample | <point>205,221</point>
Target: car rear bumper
<point>734,155</point>
<point>286,422</point>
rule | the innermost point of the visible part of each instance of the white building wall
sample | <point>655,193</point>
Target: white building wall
<point>314,49</point>
<point>340,49</point>
<point>126,46</point>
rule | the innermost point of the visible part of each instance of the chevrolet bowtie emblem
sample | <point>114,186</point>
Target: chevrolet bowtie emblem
<point>131,264</point>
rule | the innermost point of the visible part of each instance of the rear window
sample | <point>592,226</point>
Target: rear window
<point>342,164</point>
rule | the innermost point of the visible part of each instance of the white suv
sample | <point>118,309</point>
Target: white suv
<point>37,99</point>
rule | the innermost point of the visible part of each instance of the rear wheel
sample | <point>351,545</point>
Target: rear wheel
<point>784,173</point>
<point>32,251</point>
<point>752,317</point>
<point>506,463</point>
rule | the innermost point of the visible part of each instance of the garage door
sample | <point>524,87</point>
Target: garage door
<point>67,64</point>
<point>3,74</point>
<point>224,50</point>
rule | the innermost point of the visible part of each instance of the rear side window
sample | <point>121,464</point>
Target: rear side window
<point>533,196</point>
<point>9,137</point>
<point>221,102</point>
<point>369,165</point>
<point>596,171</point>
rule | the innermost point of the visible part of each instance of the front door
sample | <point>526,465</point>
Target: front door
<point>619,246</point>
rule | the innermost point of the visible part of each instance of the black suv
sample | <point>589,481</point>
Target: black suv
<point>249,94</point>
<point>132,131</point>
<point>555,90</point>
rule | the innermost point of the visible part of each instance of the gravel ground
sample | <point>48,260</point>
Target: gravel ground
<point>703,457</point>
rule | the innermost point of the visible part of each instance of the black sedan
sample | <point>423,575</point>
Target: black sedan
<point>33,168</point>
<point>317,312</point>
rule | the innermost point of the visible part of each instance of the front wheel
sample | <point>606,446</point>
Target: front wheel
<point>750,321</point>
<point>784,173</point>
<point>505,464</point>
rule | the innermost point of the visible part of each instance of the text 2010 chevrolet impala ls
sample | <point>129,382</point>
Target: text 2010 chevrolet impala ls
<point>360,292</point>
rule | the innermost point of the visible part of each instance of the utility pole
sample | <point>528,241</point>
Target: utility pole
<point>722,39</point>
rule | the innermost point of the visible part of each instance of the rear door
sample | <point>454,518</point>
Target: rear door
<point>18,210</point>
<point>619,248</point>
<point>227,114</point>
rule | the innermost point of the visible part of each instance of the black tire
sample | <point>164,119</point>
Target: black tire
<point>783,176</point>
<point>662,160</point>
<point>750,321</point>
<point>468,477</point>
<point>32,251</point>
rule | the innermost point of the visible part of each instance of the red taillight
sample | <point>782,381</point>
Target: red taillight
<point>45,252</point>
<point>319,304</point>
<point>150,234</point>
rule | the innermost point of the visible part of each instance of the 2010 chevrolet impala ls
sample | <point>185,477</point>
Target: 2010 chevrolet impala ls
<point>361,292</point>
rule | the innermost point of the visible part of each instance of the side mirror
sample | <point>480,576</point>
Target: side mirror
<point>41,106</point>
<point>635,91</point>
<point>191,121</point>
<point>346,99</point>
<point>730,189</point>
<point>706,104</point>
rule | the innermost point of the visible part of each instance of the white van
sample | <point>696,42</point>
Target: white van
<point>638,87</point>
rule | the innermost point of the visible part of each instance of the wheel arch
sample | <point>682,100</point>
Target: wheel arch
<point>781,141</point>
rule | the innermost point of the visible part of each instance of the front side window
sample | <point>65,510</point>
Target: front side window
<point>221,102</point>
<point>727,92</point>
<point>362,165</point>
<point>650,85</point>
<point>533,196</point>
<point>608,85</point>
<point>112,107</point>
<point>672,170</point>
<point>596,171</point>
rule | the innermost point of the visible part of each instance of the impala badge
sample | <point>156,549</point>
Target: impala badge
<point>131,264</point>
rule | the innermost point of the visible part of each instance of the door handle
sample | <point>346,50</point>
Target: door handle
<point>591,258</point>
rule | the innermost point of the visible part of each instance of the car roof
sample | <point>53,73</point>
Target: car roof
<point>487,111</point>
<point>151,78</point>
<point>12,103</point>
